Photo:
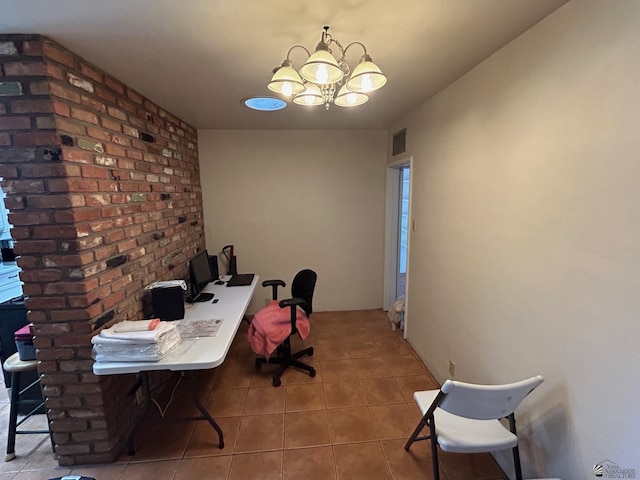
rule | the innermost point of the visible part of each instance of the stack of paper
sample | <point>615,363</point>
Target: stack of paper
<point>115,345</point>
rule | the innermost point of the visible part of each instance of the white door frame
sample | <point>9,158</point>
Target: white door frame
<point>392,217</point>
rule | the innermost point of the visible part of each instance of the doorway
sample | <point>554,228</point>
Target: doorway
<point>397,235</point>
<point>403,231</point>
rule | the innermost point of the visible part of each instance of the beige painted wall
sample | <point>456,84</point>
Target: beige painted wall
<point>526,254</point>
<point>290,200</point>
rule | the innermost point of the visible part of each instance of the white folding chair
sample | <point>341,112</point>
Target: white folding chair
<point>465,418</point>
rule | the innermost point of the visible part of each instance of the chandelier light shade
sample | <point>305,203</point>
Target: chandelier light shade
<point>366,77</point>
<point>310,97</point>
<point>323,74</point>
<point>286,81</point>
<point>347,98</point>
<point>321,68</point>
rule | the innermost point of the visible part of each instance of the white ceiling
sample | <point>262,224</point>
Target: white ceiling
<point>199,58</point>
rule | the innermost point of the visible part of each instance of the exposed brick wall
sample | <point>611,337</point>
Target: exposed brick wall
<point>104,192</point>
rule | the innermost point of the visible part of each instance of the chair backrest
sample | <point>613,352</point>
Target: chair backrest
<point>485,402</point>
<point>303,286</point>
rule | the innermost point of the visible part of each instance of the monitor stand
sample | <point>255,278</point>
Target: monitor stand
<point>201,297</point>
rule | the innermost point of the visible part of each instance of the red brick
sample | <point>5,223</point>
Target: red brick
<point>31,106</point>
<point>93,104</point>
<point>83,115</point>
<point>48,170</point>
<point>76,155</point>
<point>24,186</point>
<point>40,87</point>
<point>8,171</point>
<point>105,94</point>
<point>108,186</point>
<point>5,139</point>
<point>32,47</point>
<point>52,201</point>
<point>151,106</point>
<point>55,231</point>
<point>35,138</point>
<point>58,55</point>
<point>25,68</point>
<point>35,303</point>
<point>29,218</point>
<point>89,171</point>
<point>76,215</point>
<point>98,134</point>
<point>70,126</point>
<point>61,108</point>
<point>62,91</point>
<point>116,150</point>
<point>113,237</point>
<point>91,72</point>
<point>54,71</point>
<point>45,123</point>
<point>110,124</point>
<point>14,123</point>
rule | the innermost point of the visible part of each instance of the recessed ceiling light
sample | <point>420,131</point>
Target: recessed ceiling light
<point>264,104</point>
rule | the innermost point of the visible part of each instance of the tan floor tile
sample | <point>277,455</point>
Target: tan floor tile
<point>361,461</point>
<point>257,466</point>
<point>362,349</point>
<point>343,394</point>
<point>227,403</point>
<point>401,365</point>
<point>373,367</point>
<point>351,425</point>
<point>205,442</point>
<point>161,470</point>
<point>462,466</point>
<point>309,464</point>
<point>415,383</point>
<point>233,378</point>
<point>393,421</point>
<point>102,472</point>
<point>211,468</point>
<point>332,351</point>
<point>165,440</point>
<point>264,400</point>
<point>381,390</point>
<point>335,370</point>
<point>260,433</point>
<point>412,464</point>
<point>305,397</point>
<point>306,429</point>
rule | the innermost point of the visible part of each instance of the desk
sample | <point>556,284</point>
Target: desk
<point>204,352</point>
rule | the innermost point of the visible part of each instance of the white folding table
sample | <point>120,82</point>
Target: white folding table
<point>199,353</point>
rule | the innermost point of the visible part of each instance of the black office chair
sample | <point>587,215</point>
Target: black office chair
<point>302,289</point>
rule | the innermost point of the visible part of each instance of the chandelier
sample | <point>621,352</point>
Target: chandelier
<point>323,80</point>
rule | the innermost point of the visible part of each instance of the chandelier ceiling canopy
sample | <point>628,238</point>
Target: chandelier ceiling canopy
<point>323,80</point>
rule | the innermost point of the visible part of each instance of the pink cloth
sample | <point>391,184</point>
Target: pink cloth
<point>272,325</point>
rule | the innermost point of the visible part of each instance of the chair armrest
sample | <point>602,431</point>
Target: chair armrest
<point>292,303</point>
<point>274,284</point>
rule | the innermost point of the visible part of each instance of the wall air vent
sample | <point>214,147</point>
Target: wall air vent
<point>399,142</point>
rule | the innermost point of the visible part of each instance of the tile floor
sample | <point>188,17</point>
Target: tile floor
<point>350,422</point>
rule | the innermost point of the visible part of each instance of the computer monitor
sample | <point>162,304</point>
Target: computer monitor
<point>200,275</point>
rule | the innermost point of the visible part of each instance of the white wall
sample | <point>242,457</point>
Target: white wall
<point>526,254</point>
<point>290,200</point>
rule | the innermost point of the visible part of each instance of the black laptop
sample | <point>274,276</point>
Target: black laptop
<point>240,280</point>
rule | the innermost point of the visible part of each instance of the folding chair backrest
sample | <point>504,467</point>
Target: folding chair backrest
<point>485,402</point>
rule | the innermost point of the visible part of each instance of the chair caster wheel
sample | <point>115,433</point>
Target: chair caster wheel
<point>276,382</point>
<point>312,373</point>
